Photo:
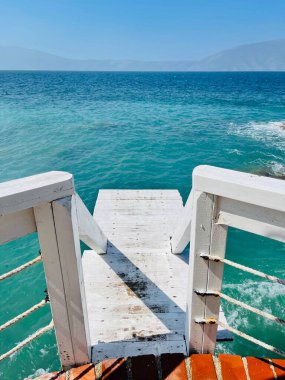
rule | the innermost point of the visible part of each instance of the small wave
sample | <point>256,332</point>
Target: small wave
<point>270,168</point>
<point>278,169</point>
<point>44,352</point>
<point>262,295</point>
<point>234,151</point>
<point>272,132</point>
<point>37,373</point>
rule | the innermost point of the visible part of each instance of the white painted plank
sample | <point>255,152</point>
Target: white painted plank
<point>119,307</point>
<point>59,241</point>
<point>244,187</point>
<point>138,221</point>
<point>16,225</point>
<point>137,291</point>
<point>198,269</point>
<point>141,204</point>
<point>55,284</point>
<point>89,231</point>
<point>137,194</point>
<point>214,283</point>
<point>65,220</point>
<point>251,218</point>
<point>181,236</point>
<point>28,192</point>
<point>142,325</point>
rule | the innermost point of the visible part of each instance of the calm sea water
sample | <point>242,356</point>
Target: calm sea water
<point>139,131</point>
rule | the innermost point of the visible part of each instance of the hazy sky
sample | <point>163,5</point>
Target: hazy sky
<point>139,29</point>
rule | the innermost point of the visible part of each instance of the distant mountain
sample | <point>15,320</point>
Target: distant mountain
<point>262,56</point>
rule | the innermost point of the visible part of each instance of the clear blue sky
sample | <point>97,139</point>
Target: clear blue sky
<point>139,29</point>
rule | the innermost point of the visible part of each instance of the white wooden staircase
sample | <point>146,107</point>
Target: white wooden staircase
<point>136,292</point>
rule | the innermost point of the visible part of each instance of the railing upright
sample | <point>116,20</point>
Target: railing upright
<point>223,198</point>
<point>47,204</point>
<point>59,240</point>
<point>208,238</point>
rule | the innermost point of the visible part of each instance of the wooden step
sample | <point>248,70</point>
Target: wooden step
<point>177,367</point>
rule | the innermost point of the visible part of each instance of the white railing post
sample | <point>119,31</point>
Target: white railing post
<point>215,280</point>
<point>204,277</point>
<point>59,240</point>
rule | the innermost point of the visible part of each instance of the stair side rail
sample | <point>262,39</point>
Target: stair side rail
<point>223,198</point>
<point>181,236</point>
<point>47,204</point>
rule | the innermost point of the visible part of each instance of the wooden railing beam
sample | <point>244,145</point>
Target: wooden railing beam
<point>16,225</point>
<point>89,231</point>
<point>181,236</point>
<point>223,198</point>
<point>23,193</point>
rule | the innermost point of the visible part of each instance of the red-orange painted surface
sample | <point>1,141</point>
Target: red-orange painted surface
<point>176,367</point>
<point>203,367</point>
<point>259,369</point>
<point>114,369</point>
<point>85,372</point>
<point>232,367</point>
<point>279,368</point>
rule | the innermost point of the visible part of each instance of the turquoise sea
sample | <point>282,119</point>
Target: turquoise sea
<point>139,131</point>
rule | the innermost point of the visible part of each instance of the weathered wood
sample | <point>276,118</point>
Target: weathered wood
<point>16,225</point>
<point>59,240</point>
<point>181,236</point>
<point>136,293</point>
<point>28,192</point>
<point>131,294</point>
<point>137,194</point>
<point>224,198</point>
<point>251,218</point>
<point>244,187</point>
<point>65,218</point>
<point>89,231</point>
<point>201,231</point>
<point>139,220</point>
<point>215,280</point>
<point>55,283</point>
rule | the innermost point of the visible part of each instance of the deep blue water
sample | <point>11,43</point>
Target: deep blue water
<point>139,130</point>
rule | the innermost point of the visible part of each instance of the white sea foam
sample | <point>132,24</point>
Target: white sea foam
<point>273,168</point>
<point>272,132</point>
<point>263,295</point>
<point>234,151</point>
<point>37,373</point>
<point>44,351</point>
<point>278,168</point>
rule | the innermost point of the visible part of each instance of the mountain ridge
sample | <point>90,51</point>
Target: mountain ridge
<point>259,56</point>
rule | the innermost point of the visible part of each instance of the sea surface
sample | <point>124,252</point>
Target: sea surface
<point>140,131</point>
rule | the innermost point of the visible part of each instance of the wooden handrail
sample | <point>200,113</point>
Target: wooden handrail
<point>19,197</point>
<point>47,204</point>
<point>181,236</point>
<point>244,187</point>
<point>223,198</point>
<point>89,231</point>
<point>229,184</point>
<point>21,194</point>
